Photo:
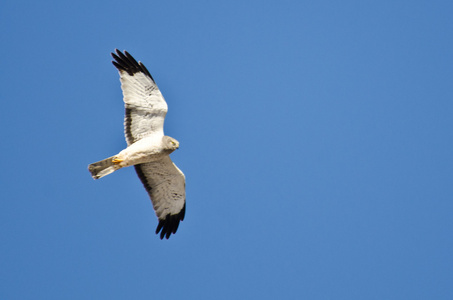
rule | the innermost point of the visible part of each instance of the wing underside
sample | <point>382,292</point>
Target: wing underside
<point>165,184</point>
<point>145,107</point>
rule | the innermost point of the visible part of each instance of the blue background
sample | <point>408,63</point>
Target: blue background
<point>316,139</point>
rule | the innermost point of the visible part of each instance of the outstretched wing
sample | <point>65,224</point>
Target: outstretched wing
<point>165,184</point>
<point>145,106</point>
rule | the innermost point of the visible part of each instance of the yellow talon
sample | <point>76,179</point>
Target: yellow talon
<point>116,160</point>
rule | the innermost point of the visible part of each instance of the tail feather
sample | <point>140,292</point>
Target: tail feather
<point>102,168</point>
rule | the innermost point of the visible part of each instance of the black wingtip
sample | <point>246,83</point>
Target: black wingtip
<point>170,224</point>
<point>127,63</point>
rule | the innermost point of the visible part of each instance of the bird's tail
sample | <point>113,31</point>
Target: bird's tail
<point>102,168</point>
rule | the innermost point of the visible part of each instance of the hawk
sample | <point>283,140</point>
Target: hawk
<point>148,149</point>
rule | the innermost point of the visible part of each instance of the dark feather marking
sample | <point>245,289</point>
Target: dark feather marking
<point>159,227</point>
<point>118,66</point>
<point>170,224</point>
<point>145,70</point>
<point>126,62</point>
<point>130,58</point>
<point>141,175</point>
<point>119,63</point>
<point>128,125</point>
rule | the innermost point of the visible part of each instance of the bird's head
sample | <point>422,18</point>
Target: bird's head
<point>170,143</point>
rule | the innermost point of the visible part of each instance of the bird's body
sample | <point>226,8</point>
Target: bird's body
<point>148,148</point>
<point>145,150</point>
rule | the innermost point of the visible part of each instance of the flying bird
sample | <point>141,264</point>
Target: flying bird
<point>148,149</point>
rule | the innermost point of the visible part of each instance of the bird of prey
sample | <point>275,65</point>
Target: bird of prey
<point>148,149</point>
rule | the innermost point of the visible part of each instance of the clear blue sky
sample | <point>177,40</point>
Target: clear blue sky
<point>316,138</point>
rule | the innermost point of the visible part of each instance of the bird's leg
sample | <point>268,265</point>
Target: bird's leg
<point>116,160</point>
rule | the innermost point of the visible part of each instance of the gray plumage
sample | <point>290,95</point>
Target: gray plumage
<point>148,149</point>
<point>102,168</point>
